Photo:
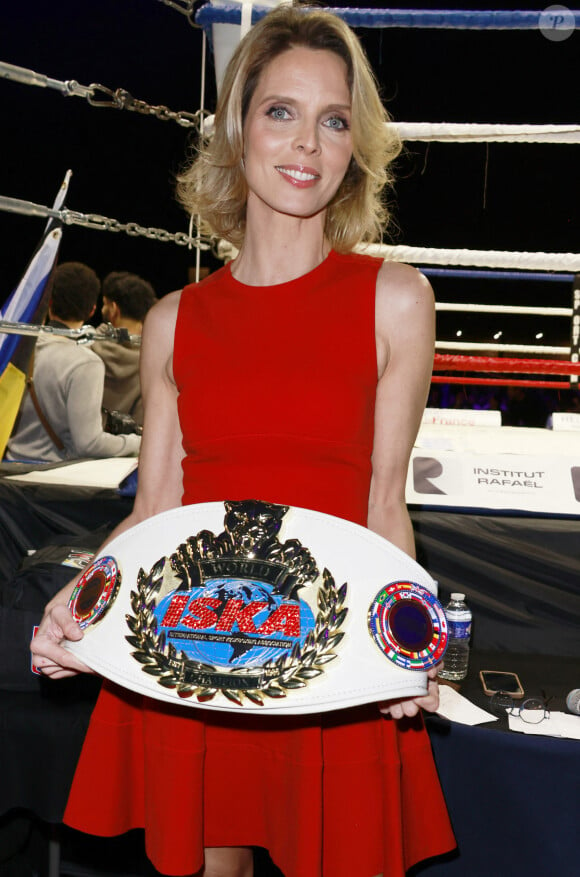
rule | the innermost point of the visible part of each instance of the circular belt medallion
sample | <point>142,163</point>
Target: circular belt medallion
<point>409,626</point>
<point>95,591</point>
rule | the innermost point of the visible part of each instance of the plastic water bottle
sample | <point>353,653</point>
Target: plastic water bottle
<point>459,631</point>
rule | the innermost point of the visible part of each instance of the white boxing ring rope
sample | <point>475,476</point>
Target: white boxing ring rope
<point>536,349</point>
<point>477,258</point>
<point>396,253</point>
<point>504,309</point>
<point>545,349</point>
<point>99,95</point>
<point>474,132</point>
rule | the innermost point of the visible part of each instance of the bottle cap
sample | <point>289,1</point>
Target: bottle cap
<point>458,596</point>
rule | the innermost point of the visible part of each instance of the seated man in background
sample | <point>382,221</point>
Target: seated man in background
<point>60,417</point>
<point>126,300</point>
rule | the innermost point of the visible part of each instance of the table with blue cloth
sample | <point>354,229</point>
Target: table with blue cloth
<point>513,798</point>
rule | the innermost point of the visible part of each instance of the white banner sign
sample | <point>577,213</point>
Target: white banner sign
<point>494,481</point>
<point>511,468</point>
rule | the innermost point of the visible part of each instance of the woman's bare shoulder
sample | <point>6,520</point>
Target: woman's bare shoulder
<point>401,288</point>
<point>166,308</point>
<point>404,313</point>
<point>162,317</point>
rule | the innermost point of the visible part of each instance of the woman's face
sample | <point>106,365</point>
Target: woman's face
<point>297,140</point>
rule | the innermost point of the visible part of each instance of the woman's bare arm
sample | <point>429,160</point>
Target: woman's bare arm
<point>405,332</point>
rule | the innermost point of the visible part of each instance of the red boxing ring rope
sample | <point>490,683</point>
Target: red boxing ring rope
<point>447,362</point>
<point>450,362</point>
<point>497,382</point>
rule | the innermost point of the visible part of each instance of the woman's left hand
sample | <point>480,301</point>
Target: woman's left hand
<point>410,706</point>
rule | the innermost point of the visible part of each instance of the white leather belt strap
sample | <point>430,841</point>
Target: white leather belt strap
<point>260,608</point>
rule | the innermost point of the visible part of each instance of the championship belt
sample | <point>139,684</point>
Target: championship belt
<point>256,607</point>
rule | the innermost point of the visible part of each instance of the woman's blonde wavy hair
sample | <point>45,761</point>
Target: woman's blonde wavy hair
<point>214,185</point>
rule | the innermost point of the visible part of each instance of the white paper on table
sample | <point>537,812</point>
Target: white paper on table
<point>456,708</point>
<point>557,725</point>
<point>106,473</point>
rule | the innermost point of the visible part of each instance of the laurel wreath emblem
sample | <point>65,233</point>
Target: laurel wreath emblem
<point>291,671</point>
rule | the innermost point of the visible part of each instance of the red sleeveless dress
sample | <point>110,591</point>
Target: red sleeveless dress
<point>276,402</point>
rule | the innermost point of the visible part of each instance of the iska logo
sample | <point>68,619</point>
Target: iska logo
<point>234,622</point>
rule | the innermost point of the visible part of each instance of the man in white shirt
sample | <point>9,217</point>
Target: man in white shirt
<point>60,418</point>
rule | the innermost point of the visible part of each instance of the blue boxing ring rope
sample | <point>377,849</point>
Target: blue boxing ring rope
<point>475,274</point>
<point>209,14</point>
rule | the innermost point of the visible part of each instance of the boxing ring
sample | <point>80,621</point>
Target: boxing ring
<point>481,494</point>
<point>219,19</point>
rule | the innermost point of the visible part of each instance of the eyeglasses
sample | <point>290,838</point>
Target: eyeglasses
<point>533,710</point>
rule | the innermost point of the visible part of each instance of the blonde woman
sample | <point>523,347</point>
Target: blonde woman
<point>296,374</point>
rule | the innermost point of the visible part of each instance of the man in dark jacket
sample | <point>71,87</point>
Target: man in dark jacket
<point>126,300</point>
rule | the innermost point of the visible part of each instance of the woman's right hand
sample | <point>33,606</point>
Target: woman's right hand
<point>57,626</point>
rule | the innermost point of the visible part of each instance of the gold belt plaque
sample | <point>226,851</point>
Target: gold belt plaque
<point>227,614</point>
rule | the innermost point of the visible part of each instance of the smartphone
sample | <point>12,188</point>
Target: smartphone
<point>497,680</point>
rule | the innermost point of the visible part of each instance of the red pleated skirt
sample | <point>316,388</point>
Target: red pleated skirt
<point>348,794</point>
